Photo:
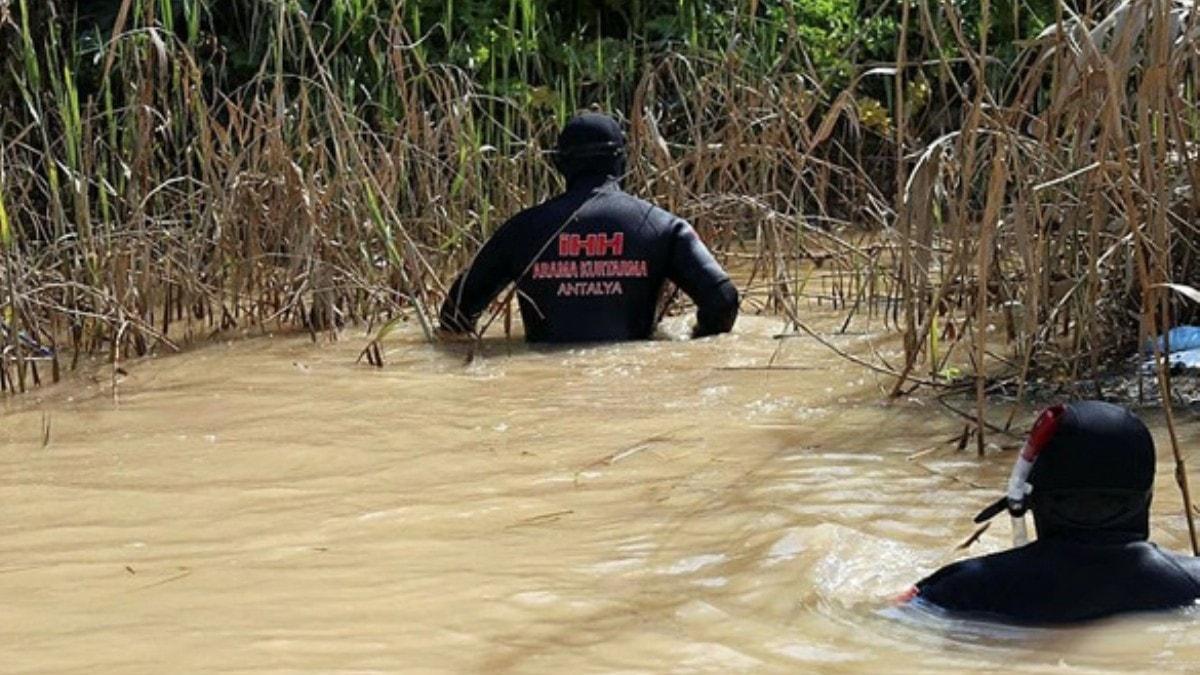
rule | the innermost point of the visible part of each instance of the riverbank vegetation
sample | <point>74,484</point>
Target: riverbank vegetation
<point>1012,185</point>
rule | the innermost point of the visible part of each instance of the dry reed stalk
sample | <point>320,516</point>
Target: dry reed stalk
<point>1060,256</point>
<point>987,235</point>
<point>166,205</point>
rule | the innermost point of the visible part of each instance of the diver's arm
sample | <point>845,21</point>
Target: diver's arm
<point>478,285</point>
<point>697,273</point>
<point>976,585</point>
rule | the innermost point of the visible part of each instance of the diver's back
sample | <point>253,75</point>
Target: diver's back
<point>596,262</point>
<point>1055,581</point>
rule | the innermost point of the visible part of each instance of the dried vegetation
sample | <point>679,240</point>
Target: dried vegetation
<point>1013,217</point>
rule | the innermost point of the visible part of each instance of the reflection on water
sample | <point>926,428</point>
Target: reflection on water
<point>652,507</point>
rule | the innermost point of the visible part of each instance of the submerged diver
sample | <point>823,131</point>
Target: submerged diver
<point>589,264</point>
<point>1090,469</point>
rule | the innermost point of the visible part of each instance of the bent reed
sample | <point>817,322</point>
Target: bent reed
<point>1015,210</point>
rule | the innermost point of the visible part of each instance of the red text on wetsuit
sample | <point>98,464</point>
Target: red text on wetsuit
<point>584,278</point>
<point>591,246</point>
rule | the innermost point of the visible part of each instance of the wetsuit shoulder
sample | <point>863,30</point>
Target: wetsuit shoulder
<point>1060,582</point>
<point>650,213</point>
<point>1178,576</point>
<point>1187,564</point>
<point>632,214</point>
<point>976,585</point>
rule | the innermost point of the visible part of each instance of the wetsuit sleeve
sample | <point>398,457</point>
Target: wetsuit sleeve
<point>987,585</point>
<point>479,284</point>
<point>694,270</point>
<point>952,587</point>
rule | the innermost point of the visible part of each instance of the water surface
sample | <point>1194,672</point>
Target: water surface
<point>268,505</point>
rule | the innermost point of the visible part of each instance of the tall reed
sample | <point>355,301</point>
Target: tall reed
<point>149,202</point>
<point>1010,217</point>
<point>1052,216</point>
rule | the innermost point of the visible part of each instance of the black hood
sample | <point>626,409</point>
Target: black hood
<point>591,146</point>
<point>1094,479</point>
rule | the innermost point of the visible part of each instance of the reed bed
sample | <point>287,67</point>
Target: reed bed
<point>1055,220</point>
<point>1012,217</point>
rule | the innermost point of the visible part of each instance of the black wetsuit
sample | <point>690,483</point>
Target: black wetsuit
<point>1092,486</point>
<point>1049,582</point>
<point>589,266</point>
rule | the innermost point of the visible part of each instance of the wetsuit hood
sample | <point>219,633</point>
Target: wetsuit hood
<point>1093,480</point>
<point>591,149</point>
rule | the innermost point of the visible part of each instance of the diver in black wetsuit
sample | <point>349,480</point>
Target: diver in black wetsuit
<point>1092,477</point>
<point>589,264</point>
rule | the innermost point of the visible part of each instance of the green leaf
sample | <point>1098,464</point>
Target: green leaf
<point>951,373</point>
<point>6,236</point>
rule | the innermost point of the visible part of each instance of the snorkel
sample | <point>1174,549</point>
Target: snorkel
<point>1016,500</point>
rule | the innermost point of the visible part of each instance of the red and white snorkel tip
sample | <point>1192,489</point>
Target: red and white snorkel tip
<point>1018,481</point>
<point>1039,437</point>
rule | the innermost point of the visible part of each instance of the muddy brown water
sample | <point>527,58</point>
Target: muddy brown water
<point>267,505</point>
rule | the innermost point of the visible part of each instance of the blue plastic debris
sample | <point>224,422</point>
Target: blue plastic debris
<point>1188,360</point>
<point>1181,339</point>
<point>37,350</point>
<point>1184,343</point>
